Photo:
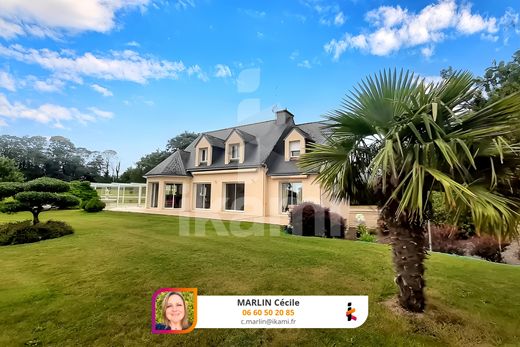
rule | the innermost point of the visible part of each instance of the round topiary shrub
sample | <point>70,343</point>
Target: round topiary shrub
<point>94,205</point>
<point>24,232</point>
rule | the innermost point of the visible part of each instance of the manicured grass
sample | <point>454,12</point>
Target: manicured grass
<point>95,287</point>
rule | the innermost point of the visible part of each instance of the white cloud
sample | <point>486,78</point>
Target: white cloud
<point>394,28</point>
<point>472,23</point>
<point>3,123</point>
<point>133,44</point>
<point>49,85</point>
<point>428,51</point>
<point>101,113</point>
<point>196,69</point>
<point>339,20</point>
<point>46,113</point>
<point>54,17</point>
<point>7,81</point>
<point>184,4</point>
<point>294,55</point>
<point>329,14</point>
<point>120,65</point>
<point>305,64</point>
<point>223,71</point>
<point>101,90</point>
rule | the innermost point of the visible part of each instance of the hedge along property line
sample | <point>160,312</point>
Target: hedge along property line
<point>310,219</point>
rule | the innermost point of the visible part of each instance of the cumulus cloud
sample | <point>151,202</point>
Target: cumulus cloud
<point>101,90</point>
<point>305,64</point>
<point>393,28</point>
<point>124,65</point>
<point>222,71</point>
<point>7,81</point>
<point>55,17</point>
<point>133,44</point>
<point>101,113</point>
<point>47,113</point>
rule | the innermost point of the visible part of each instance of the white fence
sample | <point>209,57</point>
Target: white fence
<point>121,194</point>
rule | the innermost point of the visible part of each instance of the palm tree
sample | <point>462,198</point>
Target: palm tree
<point>403,139</point>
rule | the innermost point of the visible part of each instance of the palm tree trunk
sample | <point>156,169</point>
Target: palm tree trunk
<point>408,242</point>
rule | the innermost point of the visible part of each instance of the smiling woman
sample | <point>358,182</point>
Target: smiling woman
<point>175,312</point>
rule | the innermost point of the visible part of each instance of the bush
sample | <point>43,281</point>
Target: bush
<point>445,239</point>
<point>94,205</point>
<point>367,237</point>
<point>441,215</point>
<point>65,201</point>
<point>82,190</point>
<point>487,248</point>
<point>310,219</point>
<point>25,232</point>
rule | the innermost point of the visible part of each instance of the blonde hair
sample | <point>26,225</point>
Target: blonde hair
<point>184,322</point>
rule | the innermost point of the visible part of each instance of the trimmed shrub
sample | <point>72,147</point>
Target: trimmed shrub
<point>66,201</point>
<point>310,219</point>
<point>82,190</point>
<point>94,205</point>
<point>488,248</point>
<point>25,232</point>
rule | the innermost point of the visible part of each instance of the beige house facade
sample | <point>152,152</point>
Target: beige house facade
<point>246,171</point>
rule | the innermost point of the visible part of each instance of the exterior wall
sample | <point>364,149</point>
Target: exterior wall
<point>294,135</point>
<point>310,191</point>
<point>253,180</point>
<point>162,180</point>
<point>262,194</point>
<point>233,139</point>
<point>203,143</point>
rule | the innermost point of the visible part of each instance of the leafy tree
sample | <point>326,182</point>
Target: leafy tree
<point>34,195</point>
<point>181,141</point>
<point>9,171</point>
<point>502,79</point>
<point>406,140</point>
<point>145,164</point>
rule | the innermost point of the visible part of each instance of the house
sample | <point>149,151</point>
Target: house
<point>248,170</point>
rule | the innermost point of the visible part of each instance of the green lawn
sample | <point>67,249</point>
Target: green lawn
<point>95,287</point>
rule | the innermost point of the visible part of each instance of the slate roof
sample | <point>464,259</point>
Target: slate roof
<point>174,165</point>
<point>264,143</point>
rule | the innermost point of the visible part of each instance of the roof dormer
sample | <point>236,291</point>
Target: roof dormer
<point>235,146</point>
<point>294,144</point>
<point>204,149</point>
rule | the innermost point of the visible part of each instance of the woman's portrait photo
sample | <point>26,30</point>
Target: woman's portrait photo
<point>174,310</point>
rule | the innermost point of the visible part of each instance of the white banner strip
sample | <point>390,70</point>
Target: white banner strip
<point>281,311</point>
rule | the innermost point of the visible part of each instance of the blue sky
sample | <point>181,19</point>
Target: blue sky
<point>129,75</point>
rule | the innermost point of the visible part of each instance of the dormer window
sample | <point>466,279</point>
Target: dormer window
<point>233,152</point>
<point>203,155</point>
<point>294,149</point>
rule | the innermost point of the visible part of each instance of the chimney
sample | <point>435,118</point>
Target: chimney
<point>283,117</point>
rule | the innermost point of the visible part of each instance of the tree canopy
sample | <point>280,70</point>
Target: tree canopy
<point>9,171</point>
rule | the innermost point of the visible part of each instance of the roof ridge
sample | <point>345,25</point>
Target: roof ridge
<point>321,122</point>
<point>264,121</point>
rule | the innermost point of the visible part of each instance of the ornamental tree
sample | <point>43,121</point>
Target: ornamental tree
<point>34,195</point>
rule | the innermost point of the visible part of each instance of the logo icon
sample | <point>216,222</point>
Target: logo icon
<point>350,310</point>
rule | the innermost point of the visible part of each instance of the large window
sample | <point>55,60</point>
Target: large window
<point>203,156</point>
<point>203,195</point>
<point>291,195</point>
<point>233,152</point>
<point>154,195</point>
<point>172,195</point>
<point>234,196</point>
<point>294,149</point>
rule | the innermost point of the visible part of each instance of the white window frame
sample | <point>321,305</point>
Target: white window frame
<point>282,193</point>
<point>231,158</point>
<point>173,201</point>
<point>291,151</point>
<point>225,196</point>
<point>205,194</point>
<point>205,151</point>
